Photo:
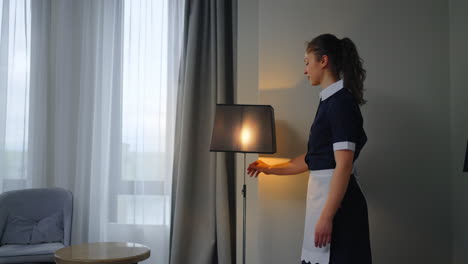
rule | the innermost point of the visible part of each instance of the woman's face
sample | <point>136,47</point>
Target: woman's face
<point>313,68</point>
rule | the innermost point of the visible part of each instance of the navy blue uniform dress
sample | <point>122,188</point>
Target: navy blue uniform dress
<point>338,125</point>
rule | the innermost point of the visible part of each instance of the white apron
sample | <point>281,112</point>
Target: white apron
<point>317,194</point>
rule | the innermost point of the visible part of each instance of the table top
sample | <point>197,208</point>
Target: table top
<point>102,252</point>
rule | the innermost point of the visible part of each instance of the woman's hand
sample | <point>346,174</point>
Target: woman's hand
<point>258,166</point>
<point>323,231</point>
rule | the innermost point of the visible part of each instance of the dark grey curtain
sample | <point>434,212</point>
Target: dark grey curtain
<point>203,202</point>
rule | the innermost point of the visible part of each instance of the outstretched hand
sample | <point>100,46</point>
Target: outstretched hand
<point>258,166</point>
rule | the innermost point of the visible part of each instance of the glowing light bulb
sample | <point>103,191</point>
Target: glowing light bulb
<point>245,136</point>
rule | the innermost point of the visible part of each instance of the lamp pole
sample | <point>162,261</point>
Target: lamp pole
<point>244,194</point>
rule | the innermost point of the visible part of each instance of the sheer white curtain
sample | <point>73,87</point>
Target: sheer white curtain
<point>101,113</point>
<point>15,41</point>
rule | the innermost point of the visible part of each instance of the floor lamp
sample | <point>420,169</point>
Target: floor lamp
<point>244,129</point>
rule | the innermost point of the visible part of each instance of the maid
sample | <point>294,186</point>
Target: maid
<point>336,224</point>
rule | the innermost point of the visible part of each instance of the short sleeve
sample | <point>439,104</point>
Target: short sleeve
<point>346,123</point>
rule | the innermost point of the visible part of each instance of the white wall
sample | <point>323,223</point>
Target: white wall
<point>247,93</point>
<point>459,125</point>
<point>405,167</point>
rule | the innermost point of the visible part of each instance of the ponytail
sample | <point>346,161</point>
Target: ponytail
<point>344,60</point>
<point>353,72</point>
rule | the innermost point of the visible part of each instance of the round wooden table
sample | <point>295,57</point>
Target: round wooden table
<point>103,252</point>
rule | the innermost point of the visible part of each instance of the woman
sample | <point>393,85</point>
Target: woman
<point>336,224</point>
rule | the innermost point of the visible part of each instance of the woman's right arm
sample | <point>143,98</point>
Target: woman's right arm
<point>294,166</point>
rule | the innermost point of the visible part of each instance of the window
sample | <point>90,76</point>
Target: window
<point>15,21</point>
<point>145,157</point>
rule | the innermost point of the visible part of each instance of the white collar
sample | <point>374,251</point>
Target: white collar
<point>331,89</point>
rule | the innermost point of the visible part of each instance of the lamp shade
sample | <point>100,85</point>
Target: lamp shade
<point>244,128</point>
<point>465,168</point>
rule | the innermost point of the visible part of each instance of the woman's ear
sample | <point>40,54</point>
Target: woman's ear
<point>324,61</point>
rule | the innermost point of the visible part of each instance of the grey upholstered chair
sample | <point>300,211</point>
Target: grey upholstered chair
<point>33,206</point>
